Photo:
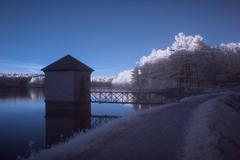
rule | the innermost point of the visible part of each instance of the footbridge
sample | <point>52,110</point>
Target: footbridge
<point>127,96</point>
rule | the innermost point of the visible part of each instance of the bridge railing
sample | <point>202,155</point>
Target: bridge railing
<point>119,95</point>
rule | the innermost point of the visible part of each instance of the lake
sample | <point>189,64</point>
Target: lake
<point>25,124</point>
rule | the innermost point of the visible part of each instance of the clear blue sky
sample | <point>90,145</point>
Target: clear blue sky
<point>110,36</point>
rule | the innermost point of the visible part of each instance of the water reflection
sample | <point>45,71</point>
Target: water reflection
<point>18,94</point>
<point>25,118</point>
<point>21,121</point>
<point>139,107</point>
<point>65,118</point>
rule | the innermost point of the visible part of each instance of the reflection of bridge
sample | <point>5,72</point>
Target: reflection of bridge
<point>99,120</point>
<point>119,95</point>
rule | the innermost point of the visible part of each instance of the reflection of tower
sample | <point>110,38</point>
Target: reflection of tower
<point>65,118</point>
<point>67,93</point>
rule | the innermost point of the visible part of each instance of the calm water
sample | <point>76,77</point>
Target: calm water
<point>24,124</point>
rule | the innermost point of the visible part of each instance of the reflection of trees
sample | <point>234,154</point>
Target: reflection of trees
<point>97,121</point>
<point>21,94</point>
<point>157,97</point>
<point>14,81</point>
<point>139,107</point>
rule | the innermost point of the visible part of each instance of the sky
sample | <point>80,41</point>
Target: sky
<point>108,35</point>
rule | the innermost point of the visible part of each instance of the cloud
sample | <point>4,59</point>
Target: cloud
<point>191,43</point>
<point>102,78</point>
<point>182,42</point>
<point>15,66</point>
<point>230,47</point>
<point>154,56</point>
<point>124,77</point>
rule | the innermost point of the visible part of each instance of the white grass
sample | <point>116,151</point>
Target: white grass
<point>199,137</point>
<point>214,131</point>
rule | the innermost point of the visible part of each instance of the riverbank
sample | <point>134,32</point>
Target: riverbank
<point>164,132</point>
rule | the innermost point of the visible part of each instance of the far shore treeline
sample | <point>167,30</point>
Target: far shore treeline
<point>19,80</point>
<point>33,80</point>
